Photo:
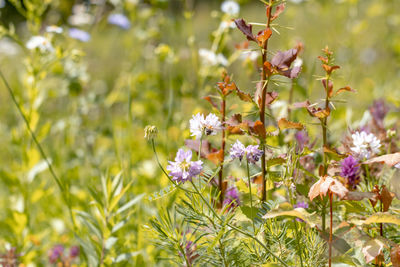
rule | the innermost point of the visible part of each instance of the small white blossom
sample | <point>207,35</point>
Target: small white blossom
<point>54,29</point>
<point>227,24</point>
<point>40,42</point>
<point>200,125</point>
<point>210,58</point>
<point>365,144</point>
<point>231,8</point>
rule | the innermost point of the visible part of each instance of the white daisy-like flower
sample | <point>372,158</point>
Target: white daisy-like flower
<point>41,43</point>
<point>365,144</point>
<point>210,58</point>
<point>54,29</point>
<point>231,8</point>
<point>227,24</point>
<point>200,125</point>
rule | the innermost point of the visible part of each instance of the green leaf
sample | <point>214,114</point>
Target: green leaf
<point>300,213</point>
<point>383,217</point>
<point>126,256</point>
<point>130,203</point>
<point>247,210</point>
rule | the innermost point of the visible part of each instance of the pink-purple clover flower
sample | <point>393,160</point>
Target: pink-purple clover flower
<point>232,196</point>
<point>238,150</point>
<point>350,169</point>
<point>183,169</point>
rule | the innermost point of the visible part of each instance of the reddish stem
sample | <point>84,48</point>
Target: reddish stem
<point>220,177</point>
<point>330,229</point>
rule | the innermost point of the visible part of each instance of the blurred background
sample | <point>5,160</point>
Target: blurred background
<point>89,99</point>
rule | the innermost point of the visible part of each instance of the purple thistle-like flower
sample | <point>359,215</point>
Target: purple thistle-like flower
<point>56,253</point>
<point>79,35</point>
<point>238,150</point>
<point>232,196</point>
<point>74,251</point>
<point>350,169</point>
<point>183,169</point>
<point>119,20</point>
<point>253,154</point>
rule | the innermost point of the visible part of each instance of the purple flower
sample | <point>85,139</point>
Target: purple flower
<point>79,35</point>
<point>56,253</point>
<point>253,154</point>
<point>119,20</point>
<point>302,139</point>
<point>232,196</point>
<point>74,251</point>
<point>350,169</point>
<point>237,150</point>
<point>378,111</point>
<point>183,169</point>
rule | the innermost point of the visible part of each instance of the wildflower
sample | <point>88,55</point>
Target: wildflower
<point>227,24</point>
<point>253,154</point>
<point>56,253</point>
<point>230,7</point>
<point>365,144</point>
<point>41,43</point>
<point>74,252</point>
<point>119,20</point>
<point>350,170</point>
<point>208,125</point>
<point>302,139</point>
<point>54,29</point>
<point>183,169</point>
<point>378,112</point>
<point>150,132</point>
<point>210,58</point>
<point>237,150</point>
<point>79,35</point>
<point>325,184</point>
<point>232,197</point>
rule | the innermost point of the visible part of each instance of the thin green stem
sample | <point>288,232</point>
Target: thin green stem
<point>41,150</point>
<point>251,196</point>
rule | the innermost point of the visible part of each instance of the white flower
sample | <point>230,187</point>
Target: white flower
<point>298,62</point>
<point>249,55</point>
<point>208,125</point>
<point>40,42</point>
<point>364,144</point>
<point>231,8</point>
<point>54,29</point>
<point>210,58</point>
<point>227,24</point>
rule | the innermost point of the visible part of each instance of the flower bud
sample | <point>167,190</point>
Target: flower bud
<point>150,132</point>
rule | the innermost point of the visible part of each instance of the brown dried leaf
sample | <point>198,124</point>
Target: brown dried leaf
<point>386,198</point>
<point>329,69</point>
<point>285,124</point>
<point>395,256</point>
<point>244,96</point>
<point>389,159</point>
<point>319,112</point>
<point>323,59</point>
<point>329,87</point>
<point>247,30</point>
<point>344,89</point>
<point>216,157</point>
<point>209,99</point>
<point>263,36</point>
<point>279,9</point>
<point>259,130</point>
<point>355,195</point>
<point>283,60</point>
<point>372,248</point>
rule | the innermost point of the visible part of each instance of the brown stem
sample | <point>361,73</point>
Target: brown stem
<point>220,177</point>
<point>330,229</point>
<point>289,110</point>
<point>262,107</point>
<point>381,224</point>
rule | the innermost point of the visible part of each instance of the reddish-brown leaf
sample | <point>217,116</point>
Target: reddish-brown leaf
<point>319,112</point>
<point>285,124</point>
<point>263,36</point>
<point>282,60</point>
<point>216,157</point>
<point>330,69</point>
<point>259,130</point>
<point>395,256</point>
<point>269,97</point>
<point>244,96</point>
<point>323,59</point>
<point>344,89</point>
<point>247,30</point>
<point>279,9</point>
<point>386,198</point>
<point>209,99</point>
<point>328,88</point>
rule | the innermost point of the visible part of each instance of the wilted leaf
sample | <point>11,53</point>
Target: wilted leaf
<point>244,96</point>
<point>372,248</point>
<point>279,9</point>
<point>356,195</point>
<point>328,87</point>
<point>216,157</point>
<point>381,217</point>
<point>386,198</point>
<point>259,129</point>
<point>283,60</point>
<point>331,152</point>
<point>263,36</point>
<point>389,159</point>
<point>285,124</point>
<point>395,256</point>
<point>319,112</point>
<point>329,69</point>
<point>209,99</point>
<point>300,213</point>
<point>245,29</point>
<point>344,89</point>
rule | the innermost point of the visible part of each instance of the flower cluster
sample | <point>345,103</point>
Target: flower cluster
<point>232,197</point>
<point>183,168</point>
<point>350,169</point>
<point>56,254</point>
<point>200,125</point>
<point>365,144</point>
<point>252,153</point>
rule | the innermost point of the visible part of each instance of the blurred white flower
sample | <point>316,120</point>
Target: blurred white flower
<point>8,47</point>
<point>54,29</point>
<point>249,55</point>
<point>298,62</point>
<point>231,8</point>
<point>80,16</point>
<point>210,58</point>
<point>227,24</point>
<point>208,125</point>
<point>41,43</point>
<point>365,144</point>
